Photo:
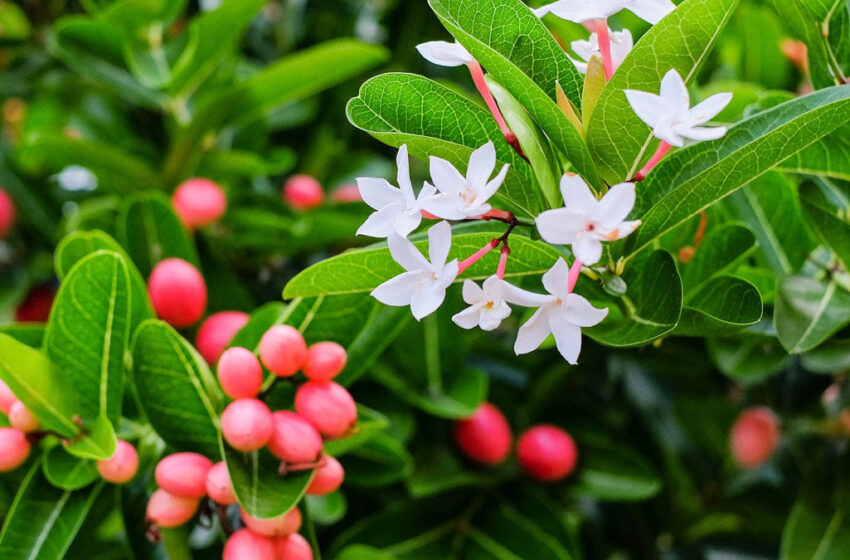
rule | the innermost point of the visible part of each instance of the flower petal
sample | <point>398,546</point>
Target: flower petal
<point>398,291</point>
<point>468,318</point>
<point>650,108</point>
<point>491,318</point>
<point>426,300</point>
<point>448,206</point>
<point>406,254</point>
<point>403,163</point>
<point>587,249</point>
<point>621,45</point>
<point>405,222</point>
<point>650,10</point>
<point>567,337</point>
<point>709,108</point>
<point>560,226</point>
<point>702,133</point>
<point>482,162</point>
<point>472,292</point>
<point>378,193</point>
<point>439,243</point>
<point>446,178</point>
<point>616,204</point>
<point>490,188</point>
<point>518,296</point>
<point>674,92</point>
<point>380,224</point>
<point>579,311</point>
<point>532,334</point>
<point>556,278</point>
<point>579,11</point>
<point>443,53</point>
<point>577,195</point>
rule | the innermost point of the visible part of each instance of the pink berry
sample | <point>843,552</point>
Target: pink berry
<point>219,485</point>
<point>7,214</point>
<point>217,331</point>
<point>283,350</point>
<point>14,449</point>
<point>168,510</point>
<point>293,547</point>
<point>184,474</point>
<point>328,477</point>
<point>247,545</point>
<point>36,306</point>
<point>755,436</point>
<point>7,398</point>
<point>240,373</point>
<point>303,192</point>
<point>279,526</point>
<point>328,406</point>
<point>547,453</point>
<point>247,424</point>
<point>122,466</point>
<point>347,193</point>
<point>178,292</point>
<point>199,202</point>
<point>294,439</point>
<point>486,436</point>
<point>21,418</point>
<point>325,360</point>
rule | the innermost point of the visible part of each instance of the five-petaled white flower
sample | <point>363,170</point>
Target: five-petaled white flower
<point>398,211</point>
<point>423,285</point>
<point>580,11</point>
<point>462,197</point>
<point>488,305</point>
<point>621,45</point>
<point>585,222</point>
<point>561,313</point>
<point>670,114</point>
<point>443,53</point>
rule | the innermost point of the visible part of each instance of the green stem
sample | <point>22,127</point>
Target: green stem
<point>432,355</point>
<point>311,530</point>
<point>176,543</point>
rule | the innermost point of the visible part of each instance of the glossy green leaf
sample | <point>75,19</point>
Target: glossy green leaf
<point>808,311</point>
<point>613,472</point>
<point>68,472</point>
<point>749,358</point>
<point>816,530</point>
<point>723,305</point>
<point>369,423</point>
<point>14,25</point>
<point>720,253</point>
<point>831,356</point>
<point>504,533</point>
<point>827,221</point>
<point>380,461</point>
<point>31,334</point>
<point>829,157</point>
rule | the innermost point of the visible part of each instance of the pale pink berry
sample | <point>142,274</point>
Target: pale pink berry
<point>199,202</point>
<point>283,350</point>
<point>328,406</point>
<point>168,510</point>
<point>294,439</point>
<point>293,547</point>
<point>184,474</point>
<point>279,526</point>
<point>325,360</point>
<point>7,214</point>
<point>547,453</point>
<point>754,436</point>
<point>486,436</point>
<point>303,192</point>
<point>347,193</point>
<point>178,292</point>
<point>247,545</point>
<point>240,373</point>
<point>14,449</point>
<point>217,331</point>
<point>21,418</point>
<point>327,478</point>
<point>122,466</point>
<point>37,305</point>
<point>7,398</point>
<point>219,485</point>
<point>247,424</point>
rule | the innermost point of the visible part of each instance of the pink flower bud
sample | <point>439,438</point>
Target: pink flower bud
<point>283,350</point>
<point>7,398</point>
<point>168,510</point>
<point>328,406</point>
<point>219,485</point>
<point>184,474</point>
<point>247,545</point>
<point>325,360</point>
<point>486,436</point>
<point>303,192</point>
<point>14,449</point>
<point>279,526</point>
<point>347,193</point>
<point>217,331</point>
<point>294,439</point>
<point>240,373</point>
<point>199,202</point>
<point>328,477</point>
<point>755,436</point>
<point>247,424</point>
<point>21,418</point>
<point>7,214</point>
<point>547,453</point>
<point>293,547</point>
<point>178,292</point>
<point>122,466</point>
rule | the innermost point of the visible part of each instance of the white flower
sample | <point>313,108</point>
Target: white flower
<point>76,178</point>
<point>423,285</point>
<point>443,53</point>
<point>487,304</point>
<point>464,197</point>
<point>585,222</point>
<point>398,209</point>
<point>580,11</point>
<point>621,45</point>
<point>670,115</point>
<point>561,314</point>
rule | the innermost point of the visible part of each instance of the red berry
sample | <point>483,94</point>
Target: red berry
<point>247,424</point>
<point>21,418</point>
<point>303,192</point>
<point>283,350</point>
<point>122,466</point>
<point>14,449</point>
<point>547,453</point>
<point>168,510</point>
<point>178,292</point>
<point>347,193</point>
<point>247,545</point>
<point>294,439</point>
<point>36,306</point>
<point>219,485</point>
<point>325,360</point>
<point>293,547</point>
<point>240,373</point>
<point>485,436</point>
<point>217,331</point>
<point>7,214</point>
<point>328,477</point>
<point>755,436</point>
<point>328,406</point>
<point>279,526</point>
<point>184,474</point>
<point>199,202</point>
<point>7,398</point>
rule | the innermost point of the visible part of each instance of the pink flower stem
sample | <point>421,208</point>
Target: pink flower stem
<point>575,270</point>
<point>475,257</point>
<point>503,262</point>
<point>663,149</point>
<point>477,74</point>
<point>605,47</point>
<point>428,215</point>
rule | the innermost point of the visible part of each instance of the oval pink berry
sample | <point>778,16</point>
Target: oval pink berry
<point>328,477</point>
<point>21,418</point>
<point>279,526</point>
<point>199,202</point>
<point>547,453</point>
<point>328,406</point>
<point>325,360</point>
<point>184,474</point>
<point>347,193</point>
<point>486,436</point>
<point>293,547</point>
<point>7,214</point>
<point>14,449</point>
<point>247,424</point>
<point>244,544</point>
<point>219,485</point>
<point>754,436</point>
<point>283,350</point>
<point>294,439</point>
<point>303,192</point>
<point>122,466</point>
<point>7,398</point>
<point>217,331</point>
<point>168,510</point>
<point>240,373</point>
<point>178,292</point>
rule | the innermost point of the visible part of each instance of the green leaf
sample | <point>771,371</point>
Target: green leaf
<point>68,472</point>
<point>613,472</point>
<point>504,533</point>
<point>380,461</point>
<point>369,423</point>
<point>825,219</point>
<point>831,356</point>
<point>726,304</point>
<point>720,253</point>
<point>14,25</point>
<point>828,157</point>
<point>817,529</point>
<point>808,311</point>
<point>31,334</point>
